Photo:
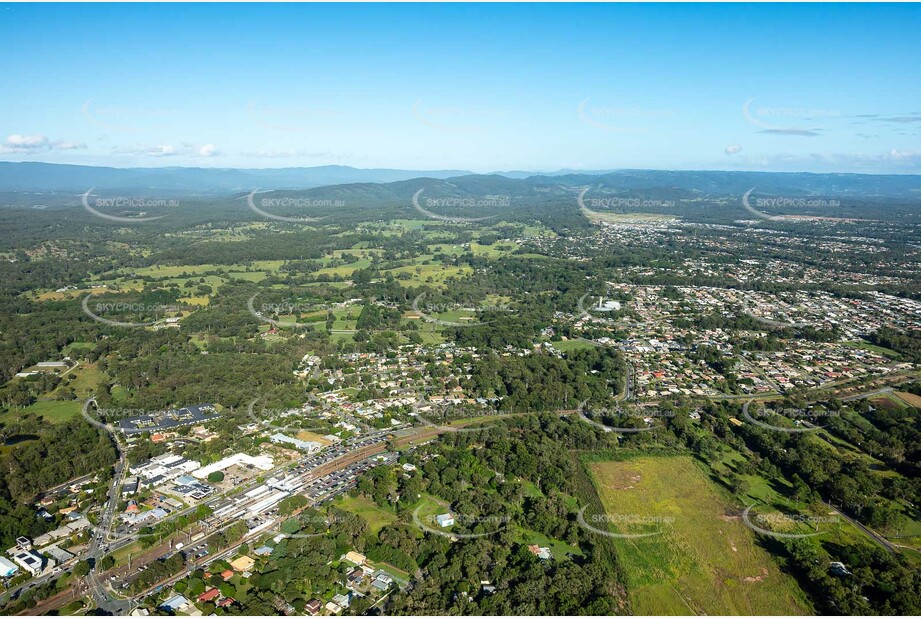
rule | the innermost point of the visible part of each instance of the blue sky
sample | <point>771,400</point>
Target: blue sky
<point>477,87</point>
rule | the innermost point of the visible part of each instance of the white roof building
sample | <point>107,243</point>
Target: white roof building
<point>7,568</point>
<point>263,462</point>
<point>303,445</point>
<point>30,560</point>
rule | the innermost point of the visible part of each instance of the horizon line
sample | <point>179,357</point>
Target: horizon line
<point>463,172</point>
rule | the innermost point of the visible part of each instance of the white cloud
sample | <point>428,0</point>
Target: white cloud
<point>288,154</point>
<point>169,150</point>
<point>62,145</point>
<point>27,141</point>
<point>162,150</point>
<point>25,144</point>
<point>731,150</point>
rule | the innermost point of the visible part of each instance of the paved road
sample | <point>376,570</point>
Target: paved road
<point>96,548</point>
<point>876,393</point>
<point>93,548</point>
<point>365,447</point>
<point>629,384</point>
<point>876,537</point>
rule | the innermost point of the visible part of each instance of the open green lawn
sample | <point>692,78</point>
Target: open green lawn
<point>53,411</point>
<point>495,250</point>
<point>572,344</point>
<point>863,345</point>
<point>165,272</point>
<point>76,347</point>
<point>429,507</point>
<point>432,337</point>
<point>124,278</point>
<point>344,270</point>
<point>169,272</point>
<point>257,275</point>
<point>119,393</point>
<point>376,517</point>
<point>559,549</point>
<point>703,560</point>
<point>87,378</point>
<point>433,274</point>
<point>531,490</point>
<point>394,572</point>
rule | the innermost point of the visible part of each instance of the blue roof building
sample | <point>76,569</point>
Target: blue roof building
<point>175,603</point>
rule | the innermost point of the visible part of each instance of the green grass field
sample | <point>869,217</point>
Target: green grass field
<point>376,517</point>
<point>572,344</point>
<point>433,274</point>
<point>559,549</point>
<point>704,559</point>
<point>631,217</point>
<point>53,411</point>
<point>430,506</point>
<point>87,378</point>
<point>344,270</point>
<point>863,345</point>
<point>76,347</point>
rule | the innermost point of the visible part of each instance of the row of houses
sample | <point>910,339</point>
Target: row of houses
<point>24,556</point>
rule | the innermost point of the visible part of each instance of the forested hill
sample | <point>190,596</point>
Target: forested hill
<point>30,176</point>
<point>390,183</point>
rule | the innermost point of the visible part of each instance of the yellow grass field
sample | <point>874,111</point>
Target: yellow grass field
<point>309,436</point>
<point>703,559</point>
<point>631,217</point>
<point>909,398</point>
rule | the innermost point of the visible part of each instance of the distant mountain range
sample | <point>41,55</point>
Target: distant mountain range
<point>385,184</point>
<point>647,184</point>
<point>55,177</point>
